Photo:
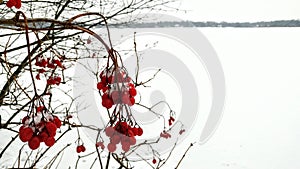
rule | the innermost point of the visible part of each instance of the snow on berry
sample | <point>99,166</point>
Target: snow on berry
<point>39,126</point>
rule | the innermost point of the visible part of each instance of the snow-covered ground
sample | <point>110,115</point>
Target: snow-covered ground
<point>260,125</point>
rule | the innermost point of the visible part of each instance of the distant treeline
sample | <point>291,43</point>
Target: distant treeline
<point>278,23</point>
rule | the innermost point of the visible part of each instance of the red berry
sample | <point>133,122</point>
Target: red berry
<point>101,75</point>
<point>41,124</point>
<point>25,134</point>
<point>50,64</point>
<point>50,141</point>
<point>140,131</point>
<point>154,161</point>
<point>43,63</point>
<point>109,79</point>
<point>78,149</point>
<point>58,63</point>
<point>126,146</point>
<point>125,98</point>
<point>181,131</point>
<point>100,85</point>
<point>115,97</point>
<point>34,143</point>
<point>109,131</point>
<point>111,147</point>
<point>131,86</point>
<point>124,125</point>
<point>10,4</point>
<point>39,108</point>
<point>88,41</point>
<point>82,148</point>
<point>130,133</point>
<point>103,79</point>
<point>42,70</point>
<point>18,4</point>
<point>124,139</point>
<point>107,103</point>
<point>170,122</point>
<point>105,96</point>
<point>24,119</point>
<point>116,139</point>
<point>51,128</point>
<point>50,81</point>
<point>57,122</point>
<point>165,135</point>
<point>135,131</point>
<point>43,136</point>
<point>100,144</point>
<point>21,128</point>
<point>117,78</point>
<point>132,140</point>
<point>172,119</point>
<point>132,92</point>
<point>127,79</point>
<point>58,80</point>
<point>132,101</point>
<point>38,77</point>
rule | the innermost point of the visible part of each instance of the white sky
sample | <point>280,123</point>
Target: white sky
<point>239,10</point>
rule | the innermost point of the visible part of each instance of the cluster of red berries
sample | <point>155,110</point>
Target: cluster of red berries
<point>100,144</point>
<point>80,148</point>
<point>54,80</point>
<point>165,135</point>
<point>15,3</point>
<point>40,127</point>
<point>181,131</point>
<point>50,64</point>
<point>122,133</point>
<point>171,120</point>
<point>116,87</point>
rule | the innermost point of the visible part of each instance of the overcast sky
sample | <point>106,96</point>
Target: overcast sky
<point>239,10</point>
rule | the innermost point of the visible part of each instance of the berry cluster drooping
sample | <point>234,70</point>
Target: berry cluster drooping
<point>80,148</point>
<point>15,3</point>
<point>124,134</point>
<point>39,126</point>
<point>116,87</point>
<point>49,64</point>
